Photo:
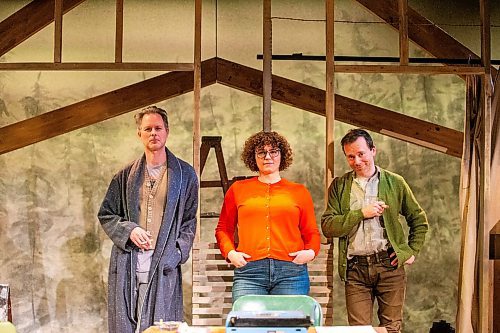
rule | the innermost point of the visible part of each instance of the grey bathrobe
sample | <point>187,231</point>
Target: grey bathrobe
<point>119,214</point>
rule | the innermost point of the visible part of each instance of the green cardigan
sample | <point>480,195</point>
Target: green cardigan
<point>338,220</point>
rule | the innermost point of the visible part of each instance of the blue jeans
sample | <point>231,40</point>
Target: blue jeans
<point>270,277</point>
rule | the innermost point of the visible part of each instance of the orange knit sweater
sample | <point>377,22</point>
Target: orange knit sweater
<point>272,220</point>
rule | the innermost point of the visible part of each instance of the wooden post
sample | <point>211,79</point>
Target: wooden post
<point>58,30</point>
<point>485,223</point>
<point>403,33</point>
<point>267,66</point>
<point>119,32</point>
<point>329,94</point>
<point>196,124</point>
<point>196,101</point>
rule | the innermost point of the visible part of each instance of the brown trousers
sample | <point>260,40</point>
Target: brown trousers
<point>373,277</point>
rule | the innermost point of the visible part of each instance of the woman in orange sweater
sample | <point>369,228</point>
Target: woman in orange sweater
<point>275,222</point>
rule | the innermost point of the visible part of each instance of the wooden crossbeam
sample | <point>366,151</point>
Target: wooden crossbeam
<point>97,66</point>
<point>102,107</point>
<point>28,20</point>
<point>347,110</point>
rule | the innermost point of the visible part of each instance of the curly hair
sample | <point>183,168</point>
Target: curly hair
<point>261,139</point>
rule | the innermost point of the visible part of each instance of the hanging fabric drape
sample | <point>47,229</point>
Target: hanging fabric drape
<point>468,305</point>
<point>495,193</point>
<point>495,150</point>
<point>468,314</point>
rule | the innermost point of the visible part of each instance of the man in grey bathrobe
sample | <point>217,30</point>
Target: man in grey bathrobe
<point>149,212</point>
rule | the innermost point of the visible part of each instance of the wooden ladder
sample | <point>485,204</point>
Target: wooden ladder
<point>207,143</point>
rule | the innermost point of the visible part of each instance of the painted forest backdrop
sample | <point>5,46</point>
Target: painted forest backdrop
<point>53,252</point>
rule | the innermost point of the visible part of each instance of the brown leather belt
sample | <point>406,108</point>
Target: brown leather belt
<point>370,259</point>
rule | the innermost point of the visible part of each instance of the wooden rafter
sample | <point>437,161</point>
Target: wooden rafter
<point>101,107</point>
<point>347,110</point>
<point>237,76</point>
<point>421,31</point>
<point>27,21</point>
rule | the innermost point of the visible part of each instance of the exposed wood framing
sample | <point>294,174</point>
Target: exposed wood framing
<point>240,77</point>
<point>101,107</point>
<point>174,66</point>
<point>347,110</point>
<point>421,31</point>
<point>267,46</point>
<point>27,21</point>
<point>97,66</point>
<point>58,30</point>
<point>197,74</point>
<point>485,265</point>
<point>485,223</point>
<point>329,94</point>
<point>404,49</point>
<point>485,35</point>
<point>411,69</point>
<point>40,13</point>
<point>495,232</point>
<point>119,32</point>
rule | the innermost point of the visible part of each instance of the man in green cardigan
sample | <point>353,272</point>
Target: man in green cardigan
<point>364,211</point>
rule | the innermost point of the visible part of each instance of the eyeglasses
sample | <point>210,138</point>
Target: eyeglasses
<point>263,153</point>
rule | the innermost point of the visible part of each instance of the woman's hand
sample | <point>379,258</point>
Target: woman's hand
<point>302,256</point>
<point>237,258</point>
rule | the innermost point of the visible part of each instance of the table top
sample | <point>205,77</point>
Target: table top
<point>322,329</point>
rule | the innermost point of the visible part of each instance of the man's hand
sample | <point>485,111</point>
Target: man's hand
<point>394,259</point>
<point>141,238</point>
<point>302,256</point>
<point>374,209</point>
<point>410,260</point>
<point>237,258</point>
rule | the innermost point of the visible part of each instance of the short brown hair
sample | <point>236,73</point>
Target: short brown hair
<point>149,110</point>
<point>261,139</point>
<point>355,134</point>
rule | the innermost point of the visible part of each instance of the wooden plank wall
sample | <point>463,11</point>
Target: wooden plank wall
<point>213,280</point>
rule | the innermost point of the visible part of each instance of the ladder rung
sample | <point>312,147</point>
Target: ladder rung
<point>210,183</point>
<point>209,215</point>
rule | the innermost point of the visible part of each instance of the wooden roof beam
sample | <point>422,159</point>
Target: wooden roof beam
<point>28,20</point>
<point>102,107</point>
<point>243,78</point>
<point>347,110</point>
